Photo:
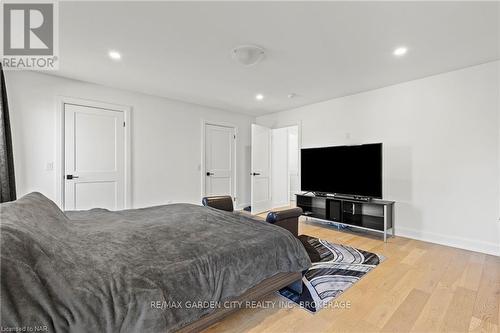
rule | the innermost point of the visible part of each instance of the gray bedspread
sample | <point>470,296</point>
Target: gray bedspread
<point>102,271</point>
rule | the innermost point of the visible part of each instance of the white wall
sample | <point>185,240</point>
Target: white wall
<point>441,150</point>
<point>166,138</point>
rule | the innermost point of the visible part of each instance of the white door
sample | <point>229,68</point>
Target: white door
<point>261,169</point>
<point>94,150</point>
<point>280,180</point>
<point>219,160</point>
<point>293,160</point>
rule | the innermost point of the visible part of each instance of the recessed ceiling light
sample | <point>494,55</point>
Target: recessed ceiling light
<point>292,95</point>
<point>115,55</point>
<point>400,51</point>
<point>259,97</point>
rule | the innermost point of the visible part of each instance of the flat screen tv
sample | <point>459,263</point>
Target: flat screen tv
<point>348,170</point>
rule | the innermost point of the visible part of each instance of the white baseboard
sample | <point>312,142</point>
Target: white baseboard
<point>453,241</point>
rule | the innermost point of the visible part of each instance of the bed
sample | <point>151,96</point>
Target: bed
<point>157,269</point>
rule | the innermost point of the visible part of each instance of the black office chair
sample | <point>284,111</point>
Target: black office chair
<point>287,218</point>
<point>222,202</point>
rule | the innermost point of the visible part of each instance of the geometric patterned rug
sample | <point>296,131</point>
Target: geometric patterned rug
<point>335,268</point>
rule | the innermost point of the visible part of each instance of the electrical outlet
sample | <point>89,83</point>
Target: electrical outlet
<point>49,166</point>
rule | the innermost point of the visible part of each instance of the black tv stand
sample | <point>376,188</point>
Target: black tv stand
<point>357,212</point>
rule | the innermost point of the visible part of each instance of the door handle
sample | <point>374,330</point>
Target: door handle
<point>255,174</point>
<point>210,173</point>
<point>71,177</point>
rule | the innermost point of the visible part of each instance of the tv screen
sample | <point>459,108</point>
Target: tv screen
<point>351,170</point>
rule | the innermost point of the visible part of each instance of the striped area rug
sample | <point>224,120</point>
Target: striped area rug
<point>335,268</point>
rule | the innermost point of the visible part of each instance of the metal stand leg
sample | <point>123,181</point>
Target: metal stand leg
<point>385,223</point>
<point>392,221</point>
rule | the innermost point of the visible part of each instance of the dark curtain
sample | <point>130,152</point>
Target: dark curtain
<point>7,181</point>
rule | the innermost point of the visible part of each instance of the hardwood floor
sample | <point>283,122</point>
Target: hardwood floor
<point>420,287</point>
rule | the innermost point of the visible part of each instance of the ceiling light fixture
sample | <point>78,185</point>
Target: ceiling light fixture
<point>259,97</point>
<point>292,95</point>
<point>400,51</point>
<point>248,55</point>
<point>115,55</point>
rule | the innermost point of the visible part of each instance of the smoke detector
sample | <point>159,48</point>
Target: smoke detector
<point>248,55</point>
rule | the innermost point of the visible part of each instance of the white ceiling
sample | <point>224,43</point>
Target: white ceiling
<point>318,50</point>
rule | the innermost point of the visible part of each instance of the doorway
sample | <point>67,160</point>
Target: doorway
<point>94,156</point>
<point>275,167</point>
<point>219,160</point>
<point>284,165</point>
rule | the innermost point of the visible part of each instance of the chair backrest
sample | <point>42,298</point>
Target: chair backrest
<point>288,219</point>
<point>222,202</point>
